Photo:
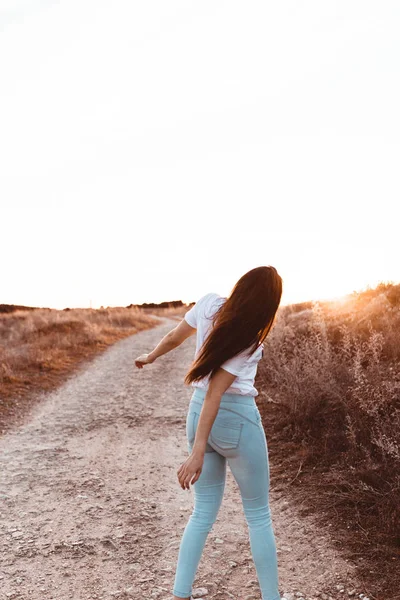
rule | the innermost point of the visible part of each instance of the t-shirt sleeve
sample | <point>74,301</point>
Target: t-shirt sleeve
<point>192,315</point>
<point>235,364</point>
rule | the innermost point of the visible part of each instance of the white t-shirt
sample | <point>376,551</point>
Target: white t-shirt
<point>242,365</point>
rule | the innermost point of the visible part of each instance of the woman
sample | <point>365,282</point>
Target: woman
<point>223,422</point>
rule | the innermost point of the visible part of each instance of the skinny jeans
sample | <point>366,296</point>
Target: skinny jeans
<point>237,437</point>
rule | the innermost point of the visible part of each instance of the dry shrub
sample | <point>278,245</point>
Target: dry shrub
<point>172,312</point>
<point>335,369</point>
<point>40,347</point>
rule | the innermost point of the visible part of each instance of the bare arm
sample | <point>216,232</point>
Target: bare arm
<point>166,344</point>
<point>221,381</point>
<point>189,471</point>
<point>171,340</point>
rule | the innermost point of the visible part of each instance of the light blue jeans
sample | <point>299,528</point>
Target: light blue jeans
<point>237,437</point>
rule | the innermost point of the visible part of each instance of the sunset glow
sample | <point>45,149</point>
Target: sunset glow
<point>157,151</point>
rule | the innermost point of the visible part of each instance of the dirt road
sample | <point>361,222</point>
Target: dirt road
<point>91,507</point>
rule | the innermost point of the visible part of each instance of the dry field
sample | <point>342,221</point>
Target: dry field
<point>177,313</point>
<point>329,388</point>
<point>39,348</point>
<point>330,399</point>
<point>93,507</point>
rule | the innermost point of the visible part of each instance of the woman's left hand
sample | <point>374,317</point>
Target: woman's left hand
<point>191,467</point>
<point>142,360</point>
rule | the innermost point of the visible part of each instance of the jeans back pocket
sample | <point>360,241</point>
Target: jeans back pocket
<point>226,433</point>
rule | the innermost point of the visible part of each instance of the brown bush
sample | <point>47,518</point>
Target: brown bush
<point>335,370</point>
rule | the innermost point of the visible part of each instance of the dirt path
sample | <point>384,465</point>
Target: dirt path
<point>91,508</point>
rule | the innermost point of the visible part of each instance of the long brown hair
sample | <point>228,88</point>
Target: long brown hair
<point>242,322</point>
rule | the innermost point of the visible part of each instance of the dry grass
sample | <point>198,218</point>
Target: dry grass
<point>40,348</point>
<point>332,371</point>
<point>173,312</point>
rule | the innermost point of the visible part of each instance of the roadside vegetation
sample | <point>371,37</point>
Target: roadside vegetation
<point>329,395</point>
<point>329,388</point>
<point>40,347</point>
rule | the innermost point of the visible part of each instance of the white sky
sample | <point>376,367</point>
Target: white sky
<point>157,150</point>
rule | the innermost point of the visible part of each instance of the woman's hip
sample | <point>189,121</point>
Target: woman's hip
<point>236,428</point>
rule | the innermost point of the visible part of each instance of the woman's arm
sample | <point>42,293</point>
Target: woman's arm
<point>221,381</point>
<point>171,340</point>
<point>190,470</point>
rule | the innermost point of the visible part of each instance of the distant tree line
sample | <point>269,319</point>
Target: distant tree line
<point>9,308</point>
<point>170,304</point>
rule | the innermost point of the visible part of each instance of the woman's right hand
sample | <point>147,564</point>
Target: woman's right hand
<point>142,360</point>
